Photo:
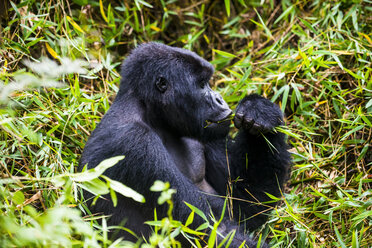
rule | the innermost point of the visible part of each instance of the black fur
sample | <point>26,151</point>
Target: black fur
<point>172,127</point>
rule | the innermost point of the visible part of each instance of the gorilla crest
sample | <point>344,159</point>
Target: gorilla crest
<point>171,126</point>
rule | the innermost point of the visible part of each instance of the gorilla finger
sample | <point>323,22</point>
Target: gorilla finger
<point>266,128</point>
<point>255,129</point>
<point>238,119</point>
<point>248,123</point>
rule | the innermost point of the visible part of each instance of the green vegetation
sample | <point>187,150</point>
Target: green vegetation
<point>313,58</point>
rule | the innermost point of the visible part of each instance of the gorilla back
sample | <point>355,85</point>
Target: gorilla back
<point>172,127</point>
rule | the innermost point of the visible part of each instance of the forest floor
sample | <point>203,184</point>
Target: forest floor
<point>59,72</point>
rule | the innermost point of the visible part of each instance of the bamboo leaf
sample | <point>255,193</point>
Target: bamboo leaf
<point>102,10</point>
<point>51,51</point>
<point>227,6</point>
<point>74,24</point>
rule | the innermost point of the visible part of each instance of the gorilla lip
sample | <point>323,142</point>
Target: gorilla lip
<point>227,117</point>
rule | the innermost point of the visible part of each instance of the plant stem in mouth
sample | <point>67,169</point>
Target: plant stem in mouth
<point>229,118</point>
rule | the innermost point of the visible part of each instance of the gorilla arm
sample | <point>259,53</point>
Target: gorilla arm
<point>256,162</point>
<point>146,160</point>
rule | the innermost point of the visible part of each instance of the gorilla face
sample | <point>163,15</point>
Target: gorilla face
<point>216,113</point>
<point>188,104</point>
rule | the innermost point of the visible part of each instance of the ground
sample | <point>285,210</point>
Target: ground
<point>313,58</point>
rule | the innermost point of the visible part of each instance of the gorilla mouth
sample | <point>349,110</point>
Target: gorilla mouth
<point>224,117</point>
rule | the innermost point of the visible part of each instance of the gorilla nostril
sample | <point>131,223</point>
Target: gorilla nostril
<point>219,101</point>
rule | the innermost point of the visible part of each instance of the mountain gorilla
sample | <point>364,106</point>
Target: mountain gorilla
<point>172,127</point>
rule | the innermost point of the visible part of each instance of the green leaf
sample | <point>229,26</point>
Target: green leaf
<point>369,103</point>
<point>353,74</point>
<point>113,197</point>
<point>103,11</point>
<point>308,25</point>
<point>74,24</point>
<point>335,57</point>
<point>224,54</point>
<point>166,196</point>
<point>143,3</point>
<point>107,163</point>
<point>357,128</point>
<point>58,181</point>
<point>364,215</point>
<point>285,97</point>
<point>190,219</point>
<point>159,186</point>
<point>212,237</point>
<point>284,14</point>
<point>18,197</point>
<point>192,232</point>
<point>154,223</point>
<point>263,25</point>
<point>272,197</point>
<point>243,245</point>
<point>197,211</point>
<point>124,190</point>
<point>339,237</point>
<point>81,2</point>
<point>365,119</point>
<point>95,186</point>
<point>354,18</point>
<point>227,6</point>
<point>97,171</point>
<point>354,242</point>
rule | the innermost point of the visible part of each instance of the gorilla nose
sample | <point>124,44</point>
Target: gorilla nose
<point>220,109</point>
<point>219,101</point>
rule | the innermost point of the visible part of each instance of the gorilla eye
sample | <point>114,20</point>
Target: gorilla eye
<point>162,84</point>
<point>202,84</point>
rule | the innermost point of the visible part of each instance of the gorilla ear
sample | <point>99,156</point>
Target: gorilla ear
<point>161,84</point>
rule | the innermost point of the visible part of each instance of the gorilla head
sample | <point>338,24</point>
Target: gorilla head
<point>175,93</point>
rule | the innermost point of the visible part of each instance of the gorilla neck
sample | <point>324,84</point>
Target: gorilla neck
<point>128,108</point>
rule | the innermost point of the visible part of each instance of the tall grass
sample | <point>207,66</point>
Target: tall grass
<point>313,58</point>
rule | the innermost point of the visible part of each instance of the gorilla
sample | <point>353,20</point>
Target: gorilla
<point>171,126</point>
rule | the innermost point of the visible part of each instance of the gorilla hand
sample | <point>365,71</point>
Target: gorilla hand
<point>257,114</point>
